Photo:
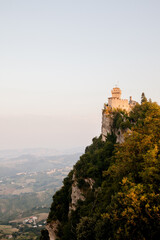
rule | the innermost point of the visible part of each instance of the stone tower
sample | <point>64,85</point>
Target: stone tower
<point>116,93</point>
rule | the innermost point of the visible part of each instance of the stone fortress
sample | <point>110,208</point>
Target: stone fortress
<point>114,102</point>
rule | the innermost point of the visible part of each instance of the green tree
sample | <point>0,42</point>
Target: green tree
<point>44,235</point>
<point>134,211</point>
<point>85,229</point>
<point>143,98</point>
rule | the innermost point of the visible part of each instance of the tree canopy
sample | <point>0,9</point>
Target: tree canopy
<point>124,202</point>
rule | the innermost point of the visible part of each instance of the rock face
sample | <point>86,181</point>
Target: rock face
<point>75,195</point>
<point>120,136</point>
<point>52,228</point>
<point>90,181</point>
<point>107,123</point>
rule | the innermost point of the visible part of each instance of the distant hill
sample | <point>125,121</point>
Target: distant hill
<point>26,162</point>
<point>29,181</point>
<point>39,152</point>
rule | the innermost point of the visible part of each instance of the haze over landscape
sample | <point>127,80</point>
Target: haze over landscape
<point>76,162</point>
<point>60,59</point>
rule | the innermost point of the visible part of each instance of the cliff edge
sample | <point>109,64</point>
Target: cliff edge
<point>113,190</point>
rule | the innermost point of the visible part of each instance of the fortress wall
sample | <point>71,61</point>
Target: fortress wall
<point>115,103</point>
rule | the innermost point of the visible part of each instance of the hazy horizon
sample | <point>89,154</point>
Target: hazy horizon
<point>60,60</point>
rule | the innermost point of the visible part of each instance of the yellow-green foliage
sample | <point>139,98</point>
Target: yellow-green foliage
<point>124,202</point>
<point>134,210</point>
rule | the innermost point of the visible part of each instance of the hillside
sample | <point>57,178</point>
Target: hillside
<point>27,183</point>
<point>113,190</point>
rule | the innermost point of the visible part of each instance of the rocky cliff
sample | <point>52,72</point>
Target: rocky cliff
<point>77,194</point>
<point>115,122</point>
<point>83,182</point>
<point>113,190</point>
<point>52,229</point>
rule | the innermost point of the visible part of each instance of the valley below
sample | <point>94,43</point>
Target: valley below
<point>27,184</point>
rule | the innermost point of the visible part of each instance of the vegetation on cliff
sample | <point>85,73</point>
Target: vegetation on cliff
<point>124,201</point>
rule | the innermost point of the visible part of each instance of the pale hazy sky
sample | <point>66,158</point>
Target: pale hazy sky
<point>60,59</point>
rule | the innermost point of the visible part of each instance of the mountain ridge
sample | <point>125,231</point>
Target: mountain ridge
<point>112,191</point>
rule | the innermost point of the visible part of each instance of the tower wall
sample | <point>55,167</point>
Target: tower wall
<point>116,92</point>
<point>115,103</point>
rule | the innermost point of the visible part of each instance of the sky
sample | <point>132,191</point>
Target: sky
<point>59,61</point>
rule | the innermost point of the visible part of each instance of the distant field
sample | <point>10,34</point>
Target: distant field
<point>7,229</point>
<point>40,216</point>
<point>29,181</point>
